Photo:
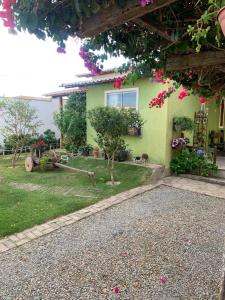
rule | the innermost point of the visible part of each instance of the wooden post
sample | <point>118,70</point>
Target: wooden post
<point>61,112</point>
<point>214,154</point>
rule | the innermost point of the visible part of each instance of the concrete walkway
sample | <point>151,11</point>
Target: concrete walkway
<point>166,243</point>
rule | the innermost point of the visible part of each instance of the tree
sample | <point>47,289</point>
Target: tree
<point>20,124</point>
<point>48,137</point>
<point>111,125</point>
<point>72,121</point>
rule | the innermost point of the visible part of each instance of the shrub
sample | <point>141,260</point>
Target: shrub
<point>183,124</point>
<point>111,125</point>
<point>43,163</point>
<point>85,150</point>
<point>192,162</point>
<point>72,121</point>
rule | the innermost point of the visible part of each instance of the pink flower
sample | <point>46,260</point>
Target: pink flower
<point>183,94</point>
<point>162,279</point>
<point>143,3</point>
<point>116,290</point>
<point>118,83</point>
<point>7,13</point>
<point>202,100</point>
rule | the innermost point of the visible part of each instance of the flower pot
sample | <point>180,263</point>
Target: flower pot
<point>122,155</point>
<point>134,131</point>
<point>221,19</point>
<point>96,153</point>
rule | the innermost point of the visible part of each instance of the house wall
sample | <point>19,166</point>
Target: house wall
<point>45,111</point>
<point>213,119</point>
<point>154,134</point>
<point>179,108</point>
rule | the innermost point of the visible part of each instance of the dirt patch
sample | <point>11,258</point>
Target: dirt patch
<point>115,183</point>
<point>58,190</point>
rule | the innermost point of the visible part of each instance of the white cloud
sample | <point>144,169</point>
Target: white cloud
<point>29,66</point>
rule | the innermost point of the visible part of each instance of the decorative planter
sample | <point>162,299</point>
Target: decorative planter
<point>96,153</point>
<point>122,155</point>
<point>180,147</point>
<point>134,131</point>
<point>221,19</point>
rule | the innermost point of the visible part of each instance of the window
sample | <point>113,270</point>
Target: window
<point>123,99</point>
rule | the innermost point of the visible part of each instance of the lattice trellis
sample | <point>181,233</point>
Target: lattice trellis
<point>200,138</point>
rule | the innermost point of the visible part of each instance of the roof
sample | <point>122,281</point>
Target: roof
<point>105,72</point>
<point>30,98</point>
<point>64,93</point>
<point>105,77</point>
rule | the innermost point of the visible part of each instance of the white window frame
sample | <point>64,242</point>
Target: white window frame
<point>221,127</point>
<point>124,90</point>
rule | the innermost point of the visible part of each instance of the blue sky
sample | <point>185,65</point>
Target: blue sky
<point>29,66</point>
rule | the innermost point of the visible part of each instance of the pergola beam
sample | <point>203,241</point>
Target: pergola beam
<point>113,16</point>
<point>153,28</point>
<point>201,60</point>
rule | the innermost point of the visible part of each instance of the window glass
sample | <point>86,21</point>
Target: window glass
<point>114,99</point>
<point>122,99</point>
<point>129,99</point>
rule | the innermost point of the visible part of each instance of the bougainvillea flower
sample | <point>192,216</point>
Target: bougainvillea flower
<point>158,75</point>
<point>162,279</point>
<point>202,100</point>
<point>183,94</point>
<point>7,13</point>
<point>90,65</point>
<point>4,14</point>
<point>143,3</point>
<point>61,50</point>
<point>118,82</point>
<point>116,290</point>
<point>6,4</point>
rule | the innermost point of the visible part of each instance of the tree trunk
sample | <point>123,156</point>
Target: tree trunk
<point>14,159</point>
<point>112,169</point>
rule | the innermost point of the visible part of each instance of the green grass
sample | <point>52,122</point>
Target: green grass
<point>21,208</point>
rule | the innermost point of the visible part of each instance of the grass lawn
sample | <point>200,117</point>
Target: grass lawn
<point>27,199</point>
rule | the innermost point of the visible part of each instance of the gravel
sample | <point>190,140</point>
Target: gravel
<point>168,233</point>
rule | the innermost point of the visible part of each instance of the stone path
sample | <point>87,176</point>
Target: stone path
<point>200,187</point>
<point>166,232</point>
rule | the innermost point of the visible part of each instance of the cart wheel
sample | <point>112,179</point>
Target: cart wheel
<point>29,165</point>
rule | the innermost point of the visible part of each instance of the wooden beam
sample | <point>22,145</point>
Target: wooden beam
<point>153,28</point>
<point>113,16</point>
<point>203,59</point>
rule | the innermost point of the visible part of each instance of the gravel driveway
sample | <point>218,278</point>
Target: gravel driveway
<point>165,232</point>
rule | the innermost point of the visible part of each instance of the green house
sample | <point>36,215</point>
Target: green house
<point>157,131</point>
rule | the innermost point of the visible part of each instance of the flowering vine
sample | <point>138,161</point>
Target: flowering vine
<point>88,62</point>
<point>7,14</point>
<point>118,82</point>
<point>164,78</point>
<point>61,50</point>
<point>143,3</point>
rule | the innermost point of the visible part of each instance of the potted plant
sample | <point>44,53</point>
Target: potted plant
<point>85,150</point>
<point>122,155</point>
<point>135,123</point>
<point>95,152</point>
<point>183,124</point>
<point>179,143</point>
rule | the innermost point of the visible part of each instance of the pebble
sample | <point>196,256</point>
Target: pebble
<point>164,232</point>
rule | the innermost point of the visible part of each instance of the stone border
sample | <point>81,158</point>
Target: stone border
<point>35,232</point>
<point>222,288</point>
